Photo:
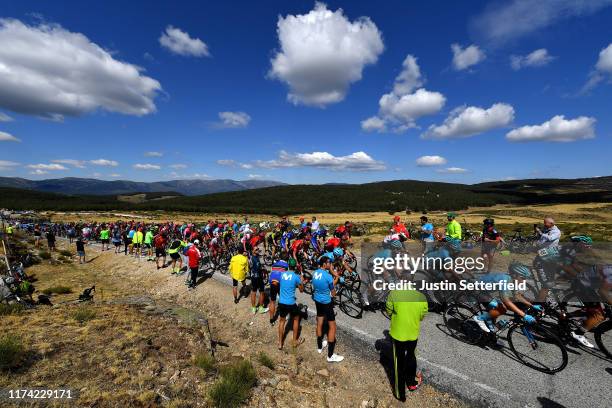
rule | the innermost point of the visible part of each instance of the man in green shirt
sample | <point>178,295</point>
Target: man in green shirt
<point>407,308</point>
<point>148,242</point>
<point>453,228</point>
<point>104,237</point>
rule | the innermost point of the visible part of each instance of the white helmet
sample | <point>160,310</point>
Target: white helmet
<point>197,242</point>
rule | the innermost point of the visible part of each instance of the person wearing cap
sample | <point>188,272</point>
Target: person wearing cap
<point>453,228</point>
<point>238,269</point>
<point>407,309</point>
<point>194,255</point>
<point>289,282</point>
<point>257,283</point>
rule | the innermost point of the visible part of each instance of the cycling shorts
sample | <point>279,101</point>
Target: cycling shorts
<point>257,284</point>
<point>291,310</point>
<point>326,310</point>
<point>274,290</point>
<point>235,282</point>
<point>160,252</point>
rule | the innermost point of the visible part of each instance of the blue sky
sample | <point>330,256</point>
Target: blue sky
<point>91,89</point>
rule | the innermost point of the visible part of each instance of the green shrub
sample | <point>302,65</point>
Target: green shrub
<point>13,308</point>
<point>44,255</point>
<point>233,388</point>
<point>83,314</point>
<point>12,352</point>
<point>59,290</point>
<point>65,252</point>
<point>265,360</point>
<point>205,361</point>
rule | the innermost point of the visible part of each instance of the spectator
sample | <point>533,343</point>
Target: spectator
<point>238,269</point>
<point>407,309</point>
<point>193,254</point>
<point>257,284</point>
<point>550,235</point>
<point>427,237</point>
<point>289,281</point>
<point>315,224</point>
<point>51,239</point>
<point>80,248</point>
<point>490,240</point>
<point>453,228</point>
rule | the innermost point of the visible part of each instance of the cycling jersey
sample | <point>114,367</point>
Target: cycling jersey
<point>239,266</point>
<point>322,285</point>
<point>333,243</point>
<point>278,268</point>
<point>289,281</point>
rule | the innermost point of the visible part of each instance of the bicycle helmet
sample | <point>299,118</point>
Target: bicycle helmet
<point>583,239</point>
<point>517,268</point>
<point>488,221</point>
<point>338,252</point>
<point>292,263</point>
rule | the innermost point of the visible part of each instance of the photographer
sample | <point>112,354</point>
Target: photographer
<point>550,235</point>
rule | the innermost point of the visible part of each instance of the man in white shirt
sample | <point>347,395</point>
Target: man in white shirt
<point>315,224</point>
<point>550,235</point>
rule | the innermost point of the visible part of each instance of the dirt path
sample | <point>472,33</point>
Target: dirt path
<point>301,377</point>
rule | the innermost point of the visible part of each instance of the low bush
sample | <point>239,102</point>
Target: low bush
<point>233,388</point>
<point>13,308</point>
<point>12,352</point>
<point>83,314</point>
<point>205,361</point>
<point>265,360</point>
<point>44,255</point>
<point>65,252</point>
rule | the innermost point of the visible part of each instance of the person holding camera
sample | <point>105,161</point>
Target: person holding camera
<point>550,235</point>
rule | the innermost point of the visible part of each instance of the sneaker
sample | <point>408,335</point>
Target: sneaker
<point>335,358</point>
<point>263,310</point>
<point>482,324</point>
<point>419,379</point>
<point>324,344</point>
<point>253,310</point>
<point>582,340</point>
<point>236,300</point>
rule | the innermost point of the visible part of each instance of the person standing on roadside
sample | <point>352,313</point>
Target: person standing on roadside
<point>289,282</point>
<point>427,237</point>
<point>257,283</point>
<point>51,239</point>
<point>323,286</point>
<point>160,249</point>
<point>276,271</point>
<point>80,248</point>
<point>116,238</point>
<point>550,235</point>
<point>490,240</point>
<point>175,249</point>
<point>104,237</point>
<point>137,242</point>
<point>148,243</point>
<point>238,269</point>
<point>193,254</point>
<point>407,309</point>
<point>37,236</point>
<point>453,228</point>
<point>130,240</point>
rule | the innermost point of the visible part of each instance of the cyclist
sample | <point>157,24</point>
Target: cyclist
<point>323,286</point>
<point>490,240</point>
<point>298,250</point>
<point>289,282</point>
<point>516,272</point>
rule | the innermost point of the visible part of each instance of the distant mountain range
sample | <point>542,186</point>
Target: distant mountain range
<point>86,186</point>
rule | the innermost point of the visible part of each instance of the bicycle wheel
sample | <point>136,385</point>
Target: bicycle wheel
<point>458,319</point>
<point>351,302</point>
<point>603,337</point>
<point>537,348</point>
<point>308,284</point>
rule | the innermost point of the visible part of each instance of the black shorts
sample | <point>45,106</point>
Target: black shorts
<point>291,310</point>
<point>147,246</point>
<point>257,284</point>
<point>274,289</point>
<point>104,241</point>
<point>326,310</point>
<point>175,256</point>
<point>117,243</point>
<point>160,252</point>
<point>235,282</point>
<point>136,245</point>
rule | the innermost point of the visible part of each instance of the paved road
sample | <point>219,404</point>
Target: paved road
<point>483,376</point>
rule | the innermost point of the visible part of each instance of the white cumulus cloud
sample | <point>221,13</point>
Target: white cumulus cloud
<point>71,162</point>
<point>399,109</point>
<point>5,118</point>
<point>104,162</point>
<point>146,166</point>
<point>537,58</point>
<point>558,129</point>
<point>233,120</point>
<point>602,70</point>
<point>7,165</point>
<point>179,42</point>
<point>47,167</point>
<point>428,161</point>
<point>358,161</point>
<point>7,137</point>
<point>50,72</point>
<point>322,53</point>
<point>464,58</point>
<point>472,120</point>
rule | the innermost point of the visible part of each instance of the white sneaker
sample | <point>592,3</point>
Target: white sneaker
<point>582,340</point>
<point>324,344</point>
<point>263,310</point>
<point>335,358</point>
<point>482,324</point>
